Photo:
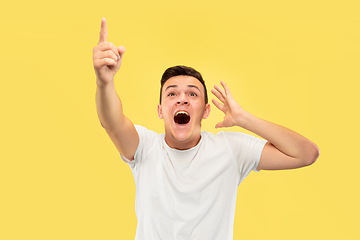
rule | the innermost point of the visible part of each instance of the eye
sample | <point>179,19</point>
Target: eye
<point>193,94</point>
<point>171,94</point>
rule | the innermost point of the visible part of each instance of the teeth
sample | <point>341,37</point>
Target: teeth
<point>182,113</point>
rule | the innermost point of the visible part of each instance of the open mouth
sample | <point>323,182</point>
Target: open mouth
<point>182,117</point>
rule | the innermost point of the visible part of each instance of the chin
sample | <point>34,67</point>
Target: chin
<point>181,137</point>
<point>185,135</point>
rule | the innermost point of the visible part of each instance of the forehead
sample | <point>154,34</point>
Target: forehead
<point>182,82</point>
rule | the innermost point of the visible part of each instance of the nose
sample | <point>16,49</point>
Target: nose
<point>182,100</point>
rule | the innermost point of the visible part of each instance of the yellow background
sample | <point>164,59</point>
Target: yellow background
<point>295,63</point>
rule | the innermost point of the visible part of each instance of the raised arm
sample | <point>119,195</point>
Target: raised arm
<point>107,61</point>
<point>285,149</point>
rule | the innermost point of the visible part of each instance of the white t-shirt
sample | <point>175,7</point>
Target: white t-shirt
<point>190,194</point>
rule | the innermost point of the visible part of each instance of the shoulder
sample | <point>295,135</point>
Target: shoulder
<point>224,137</point>
<point>231,135</point>
<point>144,131</point>
<point>147,138</point>
<point>236,135</point>
<point>238,140</point>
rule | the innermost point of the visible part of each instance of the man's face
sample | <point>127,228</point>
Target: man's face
<point>182,108</point>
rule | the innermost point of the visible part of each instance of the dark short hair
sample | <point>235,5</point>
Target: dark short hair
<point>182,71</point>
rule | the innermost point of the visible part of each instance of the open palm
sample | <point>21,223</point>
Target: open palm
<point>232,110</point>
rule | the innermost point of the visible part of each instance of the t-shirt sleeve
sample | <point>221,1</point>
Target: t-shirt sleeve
<point>246,150</point>
<point>146,138</point>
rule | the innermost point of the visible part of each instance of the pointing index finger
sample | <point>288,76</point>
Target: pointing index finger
<point>103,31</point>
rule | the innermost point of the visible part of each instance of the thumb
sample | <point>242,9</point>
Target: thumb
<point>121,50</point>
<point>219,125</point>
<point>103,31</point>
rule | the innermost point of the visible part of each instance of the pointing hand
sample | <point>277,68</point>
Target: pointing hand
<point>106,57</point>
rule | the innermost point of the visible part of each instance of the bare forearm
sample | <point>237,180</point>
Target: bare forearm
<point>284,139</point>
<point>109,107</point>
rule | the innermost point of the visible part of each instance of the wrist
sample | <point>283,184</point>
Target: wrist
<point>101,83</point>
<point>244,120</point>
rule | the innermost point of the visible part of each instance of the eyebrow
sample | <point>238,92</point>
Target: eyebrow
<point>175,86</point>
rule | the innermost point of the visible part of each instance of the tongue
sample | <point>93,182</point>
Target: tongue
<point>182,118</point>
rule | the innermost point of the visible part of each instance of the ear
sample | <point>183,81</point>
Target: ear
<point>159,111</point>
<point>206,111</point>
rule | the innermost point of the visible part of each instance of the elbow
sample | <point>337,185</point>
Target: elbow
<point>313,155</point>
<point>103,126</point>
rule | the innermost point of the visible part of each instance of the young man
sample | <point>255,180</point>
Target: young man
<point>186,179</point>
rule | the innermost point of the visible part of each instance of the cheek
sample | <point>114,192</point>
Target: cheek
<point>200,112</point>
<point>166,113</point>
